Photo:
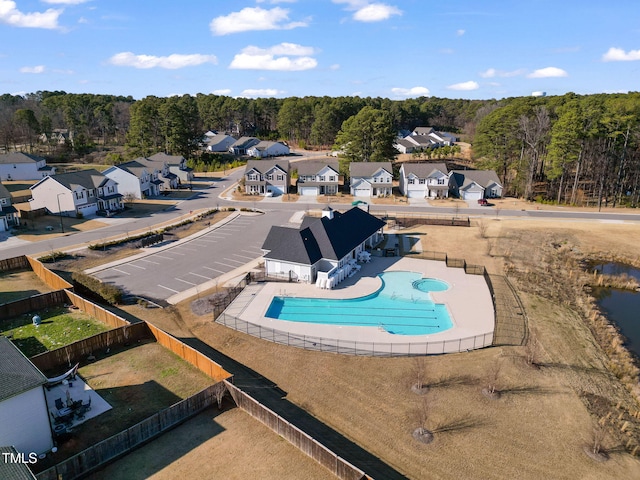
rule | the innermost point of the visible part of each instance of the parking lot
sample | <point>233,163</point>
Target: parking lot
<point>170,271</point>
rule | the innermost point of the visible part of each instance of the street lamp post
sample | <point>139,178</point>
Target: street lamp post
<point>60,212</point>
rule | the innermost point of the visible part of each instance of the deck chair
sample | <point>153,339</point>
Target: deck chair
<point>59,404</point>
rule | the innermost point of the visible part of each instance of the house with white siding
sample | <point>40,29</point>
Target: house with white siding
<point>318,177</point>
<point>174,164</point>
<point>8,213</point>
<point>85,192</point>
<point>23,166</point>
<point>24,415</point>
<point>135,179</point>
<point>219,142</point>
<point>321,246</point>
<point>240,146</point>
<point>370,179</point>
<point>424,180</point>
<point>268,149</point>
<point>262,177</point>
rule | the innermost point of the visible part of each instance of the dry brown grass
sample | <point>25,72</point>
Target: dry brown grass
<point>20,284</point>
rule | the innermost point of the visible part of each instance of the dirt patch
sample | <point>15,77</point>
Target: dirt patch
<point>20,284</point>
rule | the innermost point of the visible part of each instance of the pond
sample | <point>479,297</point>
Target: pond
<point>622,307</point>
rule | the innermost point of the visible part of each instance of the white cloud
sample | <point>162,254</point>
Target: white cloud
<point>460,32</point>
<point>548,72</point>
<point>251,19</point>
<point>10,15</point>
<point>65,2</point>
<point>335,66</point>
<point>260,92</point>
<point>172,62</point>
<point>470,85</point>
<point>36,69</point>
<point>222,91</point>
<point>492,72</point>
<point>366,11</point>
<point>411,92</point>
<point>277,57</point>
<point>619,55</point>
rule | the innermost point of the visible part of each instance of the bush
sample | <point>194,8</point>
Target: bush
<point>79,215</point>
<point>110,293</point>
<point>52,257</point>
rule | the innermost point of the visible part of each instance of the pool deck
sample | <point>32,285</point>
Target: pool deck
<point>468,301</point>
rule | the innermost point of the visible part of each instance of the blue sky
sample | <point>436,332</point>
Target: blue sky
<point>281,48</point>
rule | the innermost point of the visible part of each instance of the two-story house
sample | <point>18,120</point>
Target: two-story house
<point>85,192</point>
<point>370,179</point>
<point>424,180</point>
<point>8,213</point>
<point>177,165</point>
<point>240,146</point>
<point>475,184</point>
<point>263,177</point>
<point>135,179</point>
<point>318,177</point>
<point>23,166</point>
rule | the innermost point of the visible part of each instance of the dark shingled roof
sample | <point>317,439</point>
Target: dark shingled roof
<point>312,167</point>
<point>322,237</point>
<point>17,373</point>
<point>88,179</point>
<point>263,166</point>
<point>13,470</point>
<point>19,157</point>
<point>367,169</point>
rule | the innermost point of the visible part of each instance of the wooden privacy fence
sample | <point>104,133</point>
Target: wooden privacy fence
<point>32,304</point>
<point>96,311</point>
<point>189,354</point>
<point>114,447</point>
<point>47,276</point>
<point>308,445</point>
<point>80,350</point>
<point>15,263</point>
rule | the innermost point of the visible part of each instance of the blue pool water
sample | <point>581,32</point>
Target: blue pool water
<point>402,306</point>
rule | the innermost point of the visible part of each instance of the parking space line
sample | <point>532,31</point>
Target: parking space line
<point>198,275</point>
<point>214,270</point>
<point>181,280</point>
<point>177,253</point>
<point>170,289</point>
<point>249,251</point>
<point>234,261</point>
<point>230,266</point>
<point>121,271</point>
<point>148,261</point>
<point>187,248</point>
<point>243,256</point>
<point>136,266</point>
<point>166,258</point>
<point>222,233</point>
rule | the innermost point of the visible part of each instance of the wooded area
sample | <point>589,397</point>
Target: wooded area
<point>574,149</point>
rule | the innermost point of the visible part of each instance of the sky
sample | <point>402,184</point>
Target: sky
<point>395,49</point>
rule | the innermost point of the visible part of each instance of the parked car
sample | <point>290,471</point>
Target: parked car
<point>483,202</point>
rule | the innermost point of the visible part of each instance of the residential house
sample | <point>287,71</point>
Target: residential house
<point>475,184</point>
<point>219,143</point>
<point>403,145</point>
<point>160,170</point>
<point>318,177</point>
<point>267,176</point>
<point>321,246</point>
<point>438,139</point>
<point>23,166</point>
<point>85,192</point>
<point>177,165</point>
<point>135,179</point>
<point>424,180</point>
<point>24,415</point>
<point>59,136</point>
<point>8,213</point>
<point>268,149</point>
<point>240,146</point>
<point>370,179</point>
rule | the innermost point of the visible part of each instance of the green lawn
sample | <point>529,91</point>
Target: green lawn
<point>58,328</point>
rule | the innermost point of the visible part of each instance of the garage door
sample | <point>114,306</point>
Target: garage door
<point>362,192</point>
<point>472,195</point>
<point>308,191</point>
<point>415,194</point>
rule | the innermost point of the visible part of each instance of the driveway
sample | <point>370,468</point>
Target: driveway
<point>172,270</point>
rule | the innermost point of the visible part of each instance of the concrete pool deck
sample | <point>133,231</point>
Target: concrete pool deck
<point>468,301</point>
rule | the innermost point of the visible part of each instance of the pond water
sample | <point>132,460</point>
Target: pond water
<point>622,307</point>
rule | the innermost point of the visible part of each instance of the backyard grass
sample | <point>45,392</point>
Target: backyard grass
<point>60,326</point>
<point>19,284</point>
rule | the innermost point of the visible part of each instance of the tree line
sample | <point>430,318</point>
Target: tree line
<point>568,149</point>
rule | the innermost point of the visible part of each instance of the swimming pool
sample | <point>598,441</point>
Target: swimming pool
<point>402,306</point>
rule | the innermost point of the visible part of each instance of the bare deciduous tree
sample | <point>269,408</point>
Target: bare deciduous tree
<point>418,375</point>
<point>219,390</point>
<point>482,228</point>
<point>532,350</point>
<point>421,414</point>
<point>493,376</point>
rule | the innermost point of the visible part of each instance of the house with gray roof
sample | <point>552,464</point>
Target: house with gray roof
<point>318,177</point>
<point>370,179</point>
<point>219,142</point>
<point>8,213</point>
<point>24,415</point>
<point>321,246</point>
<point>262,177</point>
<point>475,184</point>
<point>424,180</point>
<point>135,179</point>
<point>84,192</point>
<point>173,164</point>
<point>240,146</point>
<point>23,166</point>
<point>268,149</point>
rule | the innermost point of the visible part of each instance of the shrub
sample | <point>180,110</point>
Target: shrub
<point>110,293</point>
<point>52,257</point>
